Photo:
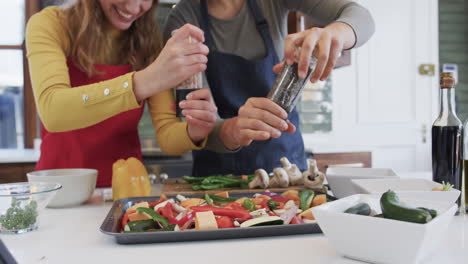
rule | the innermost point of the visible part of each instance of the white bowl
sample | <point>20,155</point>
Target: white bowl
<point>339,179</point>
<point>418,189</point>
<point>380,240</point>
<point>77,185</point>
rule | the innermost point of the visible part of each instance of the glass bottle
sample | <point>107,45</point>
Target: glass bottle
<point>288,87</point>
<point>447,137</point>
<point>193,83</point>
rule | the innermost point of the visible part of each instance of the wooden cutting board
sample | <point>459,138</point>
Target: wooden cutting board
<point>179,186</point>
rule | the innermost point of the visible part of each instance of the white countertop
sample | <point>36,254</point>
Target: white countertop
<point>72,236</point>
<point>19,155</point>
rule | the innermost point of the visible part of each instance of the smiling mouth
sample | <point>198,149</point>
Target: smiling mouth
<point>123,14</point>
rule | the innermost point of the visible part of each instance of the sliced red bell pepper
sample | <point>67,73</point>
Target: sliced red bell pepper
<point>125,217</point>
<point>264,204</point>
<point>233,213</point>
<point>153,204</point>
<point>234,205</point>
<point>182,221</point>
<point>224,222</point>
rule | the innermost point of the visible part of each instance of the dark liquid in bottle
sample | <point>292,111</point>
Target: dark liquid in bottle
<point>447,155</point>
<point>465,179</point>
<point>181,94</point>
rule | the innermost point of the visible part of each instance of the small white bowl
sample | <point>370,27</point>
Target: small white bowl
<point>77,185</point>
<point>418,189</point>
<point>380,240</point>
<point>340,183</point>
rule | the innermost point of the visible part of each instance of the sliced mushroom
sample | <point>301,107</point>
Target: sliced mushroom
<point>261,180</point>
<point>313,178</point>
<point>280,178</point>
<point>294,174</point>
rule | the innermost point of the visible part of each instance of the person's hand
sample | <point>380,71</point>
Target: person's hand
<point>258,119</point>
<point>200,112</point>
<point>177,61</point>
<point>324,43</point>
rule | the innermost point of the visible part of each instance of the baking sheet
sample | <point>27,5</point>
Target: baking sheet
<point>112,226</point>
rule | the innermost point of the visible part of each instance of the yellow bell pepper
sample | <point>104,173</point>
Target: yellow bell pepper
<point>129,179</point>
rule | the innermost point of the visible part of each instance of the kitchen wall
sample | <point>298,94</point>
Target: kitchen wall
<point>453,18</point>
<point>380,102</point>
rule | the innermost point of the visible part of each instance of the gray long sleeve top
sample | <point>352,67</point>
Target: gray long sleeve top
<point>239,35</point>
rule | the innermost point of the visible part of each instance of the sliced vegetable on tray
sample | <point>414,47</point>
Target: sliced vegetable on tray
<point>221,211</point>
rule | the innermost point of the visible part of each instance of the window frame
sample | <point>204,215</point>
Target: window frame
<point>30,119</point>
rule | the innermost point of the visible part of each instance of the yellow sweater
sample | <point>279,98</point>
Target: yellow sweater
<point>63,109</point>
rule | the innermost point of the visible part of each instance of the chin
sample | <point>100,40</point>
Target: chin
<point>121,26</point>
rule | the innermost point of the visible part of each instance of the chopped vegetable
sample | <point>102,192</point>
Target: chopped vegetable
<point>220,199</point>
<point>216,182</point>
<point>272,204</point>
<point>17,218</point>
<point>249,205</point>
<point>208,199</point>
<point>141,225</point>
<point>266,220</point>
<point>224,222</point>
<point>233,213</point>
<point>155,216</point>
<point>319,199</point>
<point>305,199</point>
<point>445,187</point>
<point>216,211</point>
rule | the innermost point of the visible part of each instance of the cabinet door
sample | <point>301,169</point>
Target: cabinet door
<point>381,101</point>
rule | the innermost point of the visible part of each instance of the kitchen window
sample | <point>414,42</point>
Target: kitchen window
<point>18,118</point>
<point>11,73</point>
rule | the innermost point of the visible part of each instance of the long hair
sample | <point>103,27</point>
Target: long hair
<point>85,24</point>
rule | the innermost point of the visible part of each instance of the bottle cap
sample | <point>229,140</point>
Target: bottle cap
<point>446,80</point>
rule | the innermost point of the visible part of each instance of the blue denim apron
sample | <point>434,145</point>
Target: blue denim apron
<point>233,80</point>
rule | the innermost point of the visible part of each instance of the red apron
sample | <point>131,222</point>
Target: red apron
<point>97,146</point>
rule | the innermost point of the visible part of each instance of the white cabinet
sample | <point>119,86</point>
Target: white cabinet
<point>381,101</point>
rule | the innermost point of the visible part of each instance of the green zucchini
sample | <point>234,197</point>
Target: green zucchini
<point>262,221</point>
<point>141,225</point>
<point>432,212</point>
<point>392,209</point>
<point>360,209</point>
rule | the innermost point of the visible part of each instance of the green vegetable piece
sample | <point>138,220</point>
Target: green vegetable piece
<point>249,205</point>
<point>193,180</point>
<point>446,186</point>
<point>169,228</point>
<point>141,225</point>
<point>196,187</point>
<point>154,215</point>
<point>220,199</point>
<point>272,204</point>
<point>392,209</point>
<point>432,212</point>
<point>360,209</point>
<point>305,199</point>
<point>211,186</point>
<point>208,199</point>
<point>17,218</point>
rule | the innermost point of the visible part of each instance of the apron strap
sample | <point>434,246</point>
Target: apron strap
<point>262,25</point>
<point>205,24</point>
